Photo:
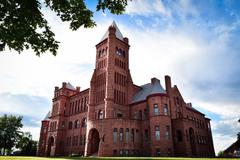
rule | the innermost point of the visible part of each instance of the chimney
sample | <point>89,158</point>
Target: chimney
<point>56,88</point>
<point>125,39</point>
<point>168,83</point>
<point>64,85</point>
<point>78,89</point>
<point>189,105</point>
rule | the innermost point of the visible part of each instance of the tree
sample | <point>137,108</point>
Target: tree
<point>22,24</point>
<point>27,146</point>
<point>9,131</point>
<point>220,154</point>
<point>238,135</point>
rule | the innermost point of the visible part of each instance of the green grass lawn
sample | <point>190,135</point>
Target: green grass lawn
<point>103,158</point>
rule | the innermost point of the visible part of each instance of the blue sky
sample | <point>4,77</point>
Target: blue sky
<point>195,42</point>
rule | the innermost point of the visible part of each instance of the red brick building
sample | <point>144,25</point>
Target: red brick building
<point>115,117</point>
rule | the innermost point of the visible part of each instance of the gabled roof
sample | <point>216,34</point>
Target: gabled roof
<point>118,33</point>
<point>148,89</point>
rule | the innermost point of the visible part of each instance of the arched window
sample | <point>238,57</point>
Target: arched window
<point>120,52</point>
<point>121,135</point>
<point>155,107</point>
<point>179,136</point>
<point>165,109</point>
<point>137,135</point>
<point>132,135</point>
<point>157,133</point>
<point>167,133</point>
<point>127,135</point>
<point>123,53</point>
<point>81,140</point>
<point>77,124</point>
<point>102,53</point>
<point>115,135</point>
<point>100,114</point>
<point>70,125</point>
<point>99,54</point>
<point>84,122</point>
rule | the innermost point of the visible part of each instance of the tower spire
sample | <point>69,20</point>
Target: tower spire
<point>117,33</point>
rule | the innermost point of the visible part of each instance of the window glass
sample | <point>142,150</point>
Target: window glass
<point>121,135</point>
<point>115,133</point>
<point>155,109</point>
<point>157,133</point>
<point>165,109</point>
<point>127,135</point>
<point>167,133</point>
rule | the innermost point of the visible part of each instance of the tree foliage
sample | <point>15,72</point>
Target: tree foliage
<point>220,154</point>
<point>9,131</point>
<point>22,24</point>
<point>27,146</point>
<point>238,135</point>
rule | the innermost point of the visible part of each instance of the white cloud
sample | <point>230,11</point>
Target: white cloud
<point>140,7</point>
<point>181,8</point>
<point>25,105</point>
<point>221,142</point>
<point>35,131</point>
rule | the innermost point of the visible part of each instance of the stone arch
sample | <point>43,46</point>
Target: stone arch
<point>50,146</point>
<point>93,142</point>
<point>192,141</point>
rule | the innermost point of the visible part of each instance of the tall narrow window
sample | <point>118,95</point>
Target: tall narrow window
<point>140,114</point>
<point>121,135</point>
<point>84,139</point>
<point>70,125</point>
<point>165,109</point>
<point>179,136</point>
<point>127,135</point>
<point>84,122</point>
<point>137,136</point>
<point>132,135</point>
<point>115,135</point>
<point>155,109</point>
<point>157,133</point>
<point>167,133</point>
<point>145,114</point>
<point>81,140</point>
<point>100,114</point>
<point>158,153</point>
<point>76,143</point>
<point>77,124</point>
<point>146,134</point>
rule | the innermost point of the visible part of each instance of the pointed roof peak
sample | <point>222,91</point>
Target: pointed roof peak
<point>118,33</point>
<point>114,24</point>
